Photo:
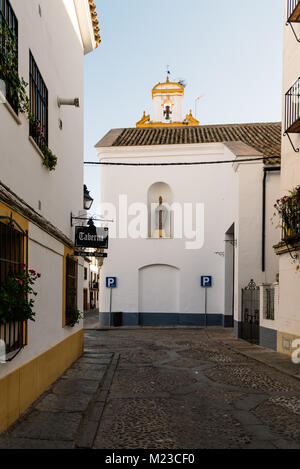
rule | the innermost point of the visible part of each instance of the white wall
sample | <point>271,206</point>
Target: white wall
<point>248,258</point>
<point>159,287</point>
<point>59,56</point>
<point>289,279</point>
<point>228,196</point>
<point>58,52</point>
<point>203,184</point>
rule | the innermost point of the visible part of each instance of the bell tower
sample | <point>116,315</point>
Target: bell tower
<point>167,107</point>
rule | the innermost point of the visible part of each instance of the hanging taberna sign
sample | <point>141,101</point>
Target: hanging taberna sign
<point>91,237</point>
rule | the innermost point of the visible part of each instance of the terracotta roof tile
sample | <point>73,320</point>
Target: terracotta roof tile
<point>263,137</point>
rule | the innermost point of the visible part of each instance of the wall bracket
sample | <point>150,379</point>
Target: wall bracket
<point>286,134</point>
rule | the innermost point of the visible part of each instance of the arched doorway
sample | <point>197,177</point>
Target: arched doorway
<point>159,289</point>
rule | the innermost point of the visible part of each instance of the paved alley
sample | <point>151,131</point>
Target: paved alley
<point>164,389</point>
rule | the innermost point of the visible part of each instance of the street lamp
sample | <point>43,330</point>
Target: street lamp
<point>87,199</point>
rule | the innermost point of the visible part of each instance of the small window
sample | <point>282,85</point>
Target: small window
<point>9,44</point>
<point>85,273</point>
<point>269,304</point>
<point>38,93</point>
<point>13,252</point>
<point>71,287</point>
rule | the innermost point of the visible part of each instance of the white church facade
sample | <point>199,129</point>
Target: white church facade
<point>174,222</point>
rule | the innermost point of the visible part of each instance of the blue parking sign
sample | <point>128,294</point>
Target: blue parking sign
<point>206,281</point>
<point>111,282</point>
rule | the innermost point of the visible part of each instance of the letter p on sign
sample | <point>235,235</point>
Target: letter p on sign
<point>111,282</point>
<point>206,281</point>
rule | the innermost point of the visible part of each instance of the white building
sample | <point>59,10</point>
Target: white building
<point>91,278</point>
<point>52,37</point>
<point>219,208</point>
<point>286,325</point>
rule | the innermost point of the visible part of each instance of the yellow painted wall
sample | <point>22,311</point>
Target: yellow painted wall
<point>20,389</point>
<point>5,211</point>
<point>284,342</point>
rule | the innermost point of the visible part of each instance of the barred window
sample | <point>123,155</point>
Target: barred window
<point>9,52</point>
<point>269,301</point>
<point>12,250</point>
<point>38,94</point>
<point>13,253</point>
<point>71,286</point>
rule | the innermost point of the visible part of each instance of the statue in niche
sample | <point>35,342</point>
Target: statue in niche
<point>161,215</point>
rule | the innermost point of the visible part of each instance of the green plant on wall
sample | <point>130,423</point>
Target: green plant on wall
<point>74,316</point>
<point>16,88</point>
<point>17,296</point>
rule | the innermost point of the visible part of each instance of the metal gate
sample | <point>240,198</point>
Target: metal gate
<point>250,313</point>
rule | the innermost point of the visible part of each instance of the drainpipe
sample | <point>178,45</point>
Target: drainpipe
<point>267,169</point>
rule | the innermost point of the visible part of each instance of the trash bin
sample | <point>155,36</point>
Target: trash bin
<point>117,319</point>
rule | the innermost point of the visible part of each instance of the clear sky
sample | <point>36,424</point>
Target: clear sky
<point>229,52</point>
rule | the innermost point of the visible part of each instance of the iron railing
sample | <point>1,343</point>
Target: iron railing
<point>94,286</point>
<point>290,217</point>
<point>13,253</point>
<point>250,313</point>
<point>270,303</point>
<point>9,24</point>
<point>38,93</point>
<point>292,108</point>
<point>14,334</point>
<point>293,10</point>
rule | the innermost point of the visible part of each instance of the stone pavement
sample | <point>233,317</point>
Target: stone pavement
<point>67,414</point>
<point>160,388</point>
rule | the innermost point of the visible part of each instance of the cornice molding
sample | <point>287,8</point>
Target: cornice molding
<point>88,24</point>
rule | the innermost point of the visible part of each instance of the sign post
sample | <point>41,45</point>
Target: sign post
<point>91,237</point>
<point>206,282</point>
<point>111,282</point>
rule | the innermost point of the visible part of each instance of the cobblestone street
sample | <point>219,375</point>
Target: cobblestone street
<point>164,389</point>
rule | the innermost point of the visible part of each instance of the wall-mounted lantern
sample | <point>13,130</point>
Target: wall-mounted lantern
<point>87,199</point>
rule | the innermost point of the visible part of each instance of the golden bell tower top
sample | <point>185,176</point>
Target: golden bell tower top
<point>167,100</point>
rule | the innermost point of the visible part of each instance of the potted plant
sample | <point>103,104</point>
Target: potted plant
<point>288,208</point>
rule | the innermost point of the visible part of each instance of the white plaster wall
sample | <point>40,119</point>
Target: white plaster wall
<point>289,280</point>
<point>203,184</point>
<point>230,195</point>
<point>59,56</point>
<point>248,229</point>
<point>70,7</point>
<point>159,289</point>
<point>273,231</point>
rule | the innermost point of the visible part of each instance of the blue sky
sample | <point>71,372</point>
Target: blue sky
<point>228,51</point>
